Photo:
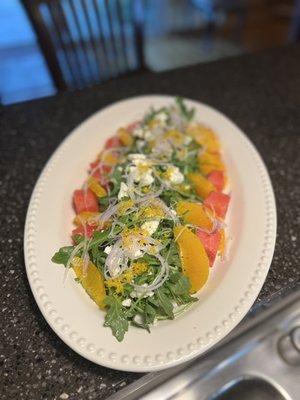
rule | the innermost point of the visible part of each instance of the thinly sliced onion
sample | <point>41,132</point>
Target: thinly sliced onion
<point>159,279</point>
<point>166,209</point>
<point>110,211</point>
<point>72,255</point>
<point>114,224</point>
<point>114,259</point>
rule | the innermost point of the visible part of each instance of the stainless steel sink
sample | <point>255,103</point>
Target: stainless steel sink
<point>248,388</point>
<point>259,360</point>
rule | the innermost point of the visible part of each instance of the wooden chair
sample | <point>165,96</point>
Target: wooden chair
<point>88,41</point>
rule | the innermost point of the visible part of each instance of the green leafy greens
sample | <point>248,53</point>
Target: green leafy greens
<point>127,306</point>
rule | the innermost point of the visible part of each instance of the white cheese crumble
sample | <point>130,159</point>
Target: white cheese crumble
<point>173,212</point>
<point>141,171</point>
<point>135,294</point>
<point>138,132</point>
<point>115,270</point>
<point>126,303</point>
<point>174,175</point>
<point>123,192</point>
<point>107,249</point>
<point>147,178</point>
<point>150,226</point>
<point>162,117</point>
<point>134,253</point>
<point>140,143</point>
<point>136,157</point>
<point>148,135</point>
<point>187,140</point>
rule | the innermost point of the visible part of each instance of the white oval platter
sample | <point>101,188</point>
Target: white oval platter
<point>233,284</point>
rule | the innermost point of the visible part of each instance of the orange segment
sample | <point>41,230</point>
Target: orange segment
<point>92,281</point>
<point>222,244</point>
<point>109,158</point>
<point>211,159</point>
<point>96,187</point>
<point>124,205</point>
<point>195,214</point>
<point>205,137</point>
<point>85,217</point>
<point>125,137</point>
<point>194,260</point>
<point>202,185</point>
<point>175,136</point>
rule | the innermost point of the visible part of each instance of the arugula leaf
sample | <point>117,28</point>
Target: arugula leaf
<point>141,325</point>
<point>77,239</point>
<point>62,255</point>
<point>187,113</point>
<point>171,254</point>
<point>149,313</point>
<point>179,287</point>
<point>181,284</point>
<point>99,238</point>
<point>103,201</point>
<point>164,302</point>
<point>115,317</point>
<point>115,179</point>
<point>152,113</point>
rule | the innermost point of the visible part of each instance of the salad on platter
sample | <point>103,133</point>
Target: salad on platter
<point>149,219</point>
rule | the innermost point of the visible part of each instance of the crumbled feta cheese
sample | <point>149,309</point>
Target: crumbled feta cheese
<point>147,179</point>
<point>138,319</point>
<point>136,294</point>
<point>148,135</point>
<point>126,303</point>
<point>123,192</point>
<point>114,271</point>
<point>187,139</point>
<point>174,175</point>
<point>140,143</point>
<point>173,212</point>
<point>150,226</point>
<point>107,249</point>
<point>133,251</point>
<point>142,173</point>
<point>138,132</point>
<point>162,117</point>
<point>136,253</point>
<point>136,157</point>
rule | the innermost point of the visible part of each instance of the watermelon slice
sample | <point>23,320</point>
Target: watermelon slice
<point>131,127</point>
<point>101,172</point>
<point>218,202</point>
<point>85,201</point>
<point>211,243</point>
<point>112,142</point>
<point>80,231</point>
<point>217,179</point>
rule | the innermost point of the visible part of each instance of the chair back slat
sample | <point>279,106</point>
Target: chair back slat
<point>86,41</point>
<point>122,31</point>
<point>73,39</point>
<point>102,48</point>
<point>111,38</point>
<point>59,34</point>
<point>46,43</point>
<point>94,48</point>
<point>82,42</point>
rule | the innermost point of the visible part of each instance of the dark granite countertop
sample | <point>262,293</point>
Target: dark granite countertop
<point>260,92</point>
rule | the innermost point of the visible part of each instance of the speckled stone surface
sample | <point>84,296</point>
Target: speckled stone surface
<point>261,93</point>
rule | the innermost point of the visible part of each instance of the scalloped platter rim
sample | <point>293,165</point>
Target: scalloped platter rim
<point>233,284</point>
